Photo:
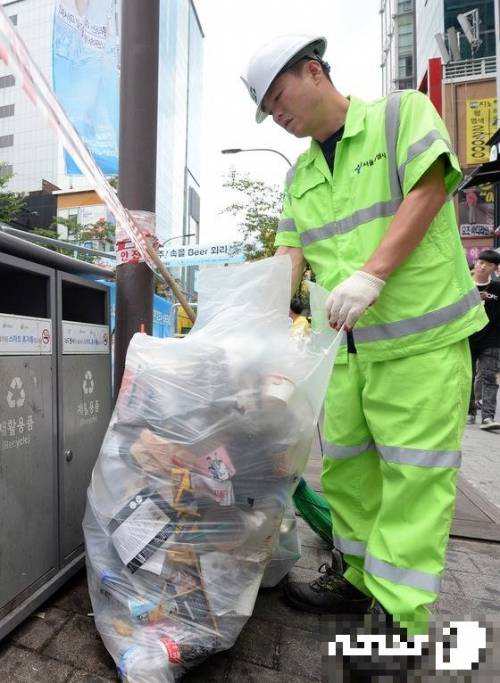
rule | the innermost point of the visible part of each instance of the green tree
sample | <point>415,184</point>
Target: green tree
<point>258,208</point>
<point>101,231</point>
<point>11,203</point>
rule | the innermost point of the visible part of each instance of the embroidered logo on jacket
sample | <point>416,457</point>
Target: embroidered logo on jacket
<point>370,162</point>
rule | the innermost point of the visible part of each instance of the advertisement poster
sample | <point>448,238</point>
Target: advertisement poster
<point>481,116</point>
<point>85,71</point>
<point>476,211</point>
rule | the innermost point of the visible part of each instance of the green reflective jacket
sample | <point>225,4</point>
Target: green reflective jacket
<point>339,221</point>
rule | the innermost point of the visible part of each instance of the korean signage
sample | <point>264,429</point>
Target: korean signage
<point>200,254</point>
<point>81,338</point>
<point>481,116</point>
<point>476,211</point>
<point>23,336</point>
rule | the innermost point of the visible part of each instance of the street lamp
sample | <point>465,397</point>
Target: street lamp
<point>256,149</point>
<point>176,237</point>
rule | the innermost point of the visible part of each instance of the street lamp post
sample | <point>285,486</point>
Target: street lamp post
<point>237,150</point>
<point>177,237</point>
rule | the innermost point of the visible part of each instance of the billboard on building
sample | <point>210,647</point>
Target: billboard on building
<point>86,75</point>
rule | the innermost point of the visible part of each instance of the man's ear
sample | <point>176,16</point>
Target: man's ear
<point>313,69</point>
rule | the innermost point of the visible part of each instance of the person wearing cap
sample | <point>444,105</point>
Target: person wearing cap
<point>485,344</point>
<point>367,206</point>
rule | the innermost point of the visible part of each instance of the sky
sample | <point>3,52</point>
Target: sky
<point>233,30</point>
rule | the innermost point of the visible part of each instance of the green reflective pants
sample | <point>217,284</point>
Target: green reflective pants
<point>393,433</point>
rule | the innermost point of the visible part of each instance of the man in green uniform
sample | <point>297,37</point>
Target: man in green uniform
<point>368,207</point>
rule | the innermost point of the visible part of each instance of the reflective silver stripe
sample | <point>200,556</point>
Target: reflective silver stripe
<point>421,146</point>
<point>406,577</point>
<point>350,547</point>
<point>380,210</point>
<point>421,323</point>
<point>290,175</point>
<point>286,225</point>
<point>420,458</point>
<point>392,108</point>
<point>341,452</point>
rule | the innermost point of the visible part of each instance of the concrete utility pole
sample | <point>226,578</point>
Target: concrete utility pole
<point>137,175</point>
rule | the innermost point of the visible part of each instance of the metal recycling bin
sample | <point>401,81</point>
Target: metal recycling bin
<point>55,405</point>
<point>85,398</point>
<point>28,440</point>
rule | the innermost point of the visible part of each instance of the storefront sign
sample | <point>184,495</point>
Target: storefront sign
<point>475,230</point>
<point>199,254</point>
<point>481,117</point>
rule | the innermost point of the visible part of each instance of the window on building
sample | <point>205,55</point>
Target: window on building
<point>405,66</point>
<point>6,110</point>
<point>7,81</point>
<point>6,170</point>
<point>13,19</point>
<point>405,6</point>
<point>6,140</point>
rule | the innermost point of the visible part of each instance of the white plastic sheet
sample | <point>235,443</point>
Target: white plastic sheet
<point>190,500</point>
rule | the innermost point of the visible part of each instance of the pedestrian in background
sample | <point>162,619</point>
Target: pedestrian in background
<point>485,344</point>
<point>300,325</point>
<point>367,206</point>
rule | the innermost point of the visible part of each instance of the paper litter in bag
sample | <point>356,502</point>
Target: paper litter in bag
<point>189,510</point>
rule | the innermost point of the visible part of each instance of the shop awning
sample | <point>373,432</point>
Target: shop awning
<point>489,172</point>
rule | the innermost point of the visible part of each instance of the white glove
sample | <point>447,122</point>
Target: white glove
<point>349,300</point>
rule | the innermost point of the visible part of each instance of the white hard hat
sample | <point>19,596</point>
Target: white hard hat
<point>273,57</point>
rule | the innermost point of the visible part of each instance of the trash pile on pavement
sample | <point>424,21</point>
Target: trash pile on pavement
<point>189,509</point>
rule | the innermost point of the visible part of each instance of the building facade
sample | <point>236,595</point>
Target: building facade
<point>460,79</point>
<point>31,152</point>
<point>29,148</point>
<point>398,45</point>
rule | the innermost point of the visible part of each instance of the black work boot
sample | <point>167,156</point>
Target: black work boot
<point>330,593</point>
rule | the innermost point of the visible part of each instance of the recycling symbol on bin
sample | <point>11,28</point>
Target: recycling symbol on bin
<point>88,383</point>
<point>16,395</point>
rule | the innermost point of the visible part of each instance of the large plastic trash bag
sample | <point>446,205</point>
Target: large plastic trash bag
<point>190,500</point>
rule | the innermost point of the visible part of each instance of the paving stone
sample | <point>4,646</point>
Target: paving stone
<point>449,583</point>
<point>214,670</point>
<point>300,654</point>
<point>37,630</point>
<point>486,589</point>
<point>73,596</point>
<point>79,644</point>
<point>18,665</point>
<point>486,556</point>
<point>309,538</point>
<point>312,558</point>
<point>250,673</point>
<point>460,559</point>
<point>258,643</point>
<point>244,672</point>
<point>84,677</point>
<point>272,607</point>
<point>459,606</point>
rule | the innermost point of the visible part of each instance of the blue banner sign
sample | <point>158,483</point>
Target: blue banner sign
<point>86,76</point>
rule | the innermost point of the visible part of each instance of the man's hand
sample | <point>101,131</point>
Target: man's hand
<point>349,300</point>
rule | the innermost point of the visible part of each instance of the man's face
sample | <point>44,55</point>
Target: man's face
<point>484,268</point>
<point>291,101</point>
